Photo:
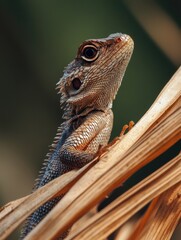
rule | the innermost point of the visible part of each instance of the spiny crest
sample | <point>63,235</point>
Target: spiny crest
<point>52,148</point>
<point>68,108</point>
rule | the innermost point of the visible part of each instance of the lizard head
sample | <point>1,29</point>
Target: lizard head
<point>93,78</point>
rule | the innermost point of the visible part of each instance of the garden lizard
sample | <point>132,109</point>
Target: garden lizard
<point>88,87</point>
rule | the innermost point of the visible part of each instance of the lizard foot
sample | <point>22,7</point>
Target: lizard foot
<point>104,149</point>
<point>122,133</point>
<point>126,127</point>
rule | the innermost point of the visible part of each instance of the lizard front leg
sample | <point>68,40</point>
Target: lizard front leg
<point>83,144</point>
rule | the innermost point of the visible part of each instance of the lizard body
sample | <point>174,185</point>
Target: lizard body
<point>88,88</point>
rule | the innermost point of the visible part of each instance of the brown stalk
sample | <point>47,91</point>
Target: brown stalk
<point>164,216</point>
<point>115,214</point>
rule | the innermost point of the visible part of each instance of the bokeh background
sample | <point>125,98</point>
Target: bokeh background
<point>39,38</point>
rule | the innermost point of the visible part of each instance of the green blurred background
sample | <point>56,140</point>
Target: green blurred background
<point>39,38</point>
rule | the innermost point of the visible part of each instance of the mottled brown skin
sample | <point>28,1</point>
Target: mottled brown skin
<point>88,88</point>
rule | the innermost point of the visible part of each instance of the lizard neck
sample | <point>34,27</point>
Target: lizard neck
<point>76,112</point>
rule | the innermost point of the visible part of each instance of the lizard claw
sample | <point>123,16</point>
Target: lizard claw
<point>103,149</point>
<point>121,135</point>
<point>126,127</point>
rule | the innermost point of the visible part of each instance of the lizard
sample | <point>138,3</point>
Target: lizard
<point>88,87</point>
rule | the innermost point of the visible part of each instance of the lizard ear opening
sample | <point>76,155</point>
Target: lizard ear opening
<point>76,83</point>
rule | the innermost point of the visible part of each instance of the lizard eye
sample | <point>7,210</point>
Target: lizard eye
<point>76,83</point>
<point>89,53</point>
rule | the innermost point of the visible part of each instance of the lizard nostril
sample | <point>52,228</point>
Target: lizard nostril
<point>117,40</point>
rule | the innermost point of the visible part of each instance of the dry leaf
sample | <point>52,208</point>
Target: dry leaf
<point>157,130</point>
